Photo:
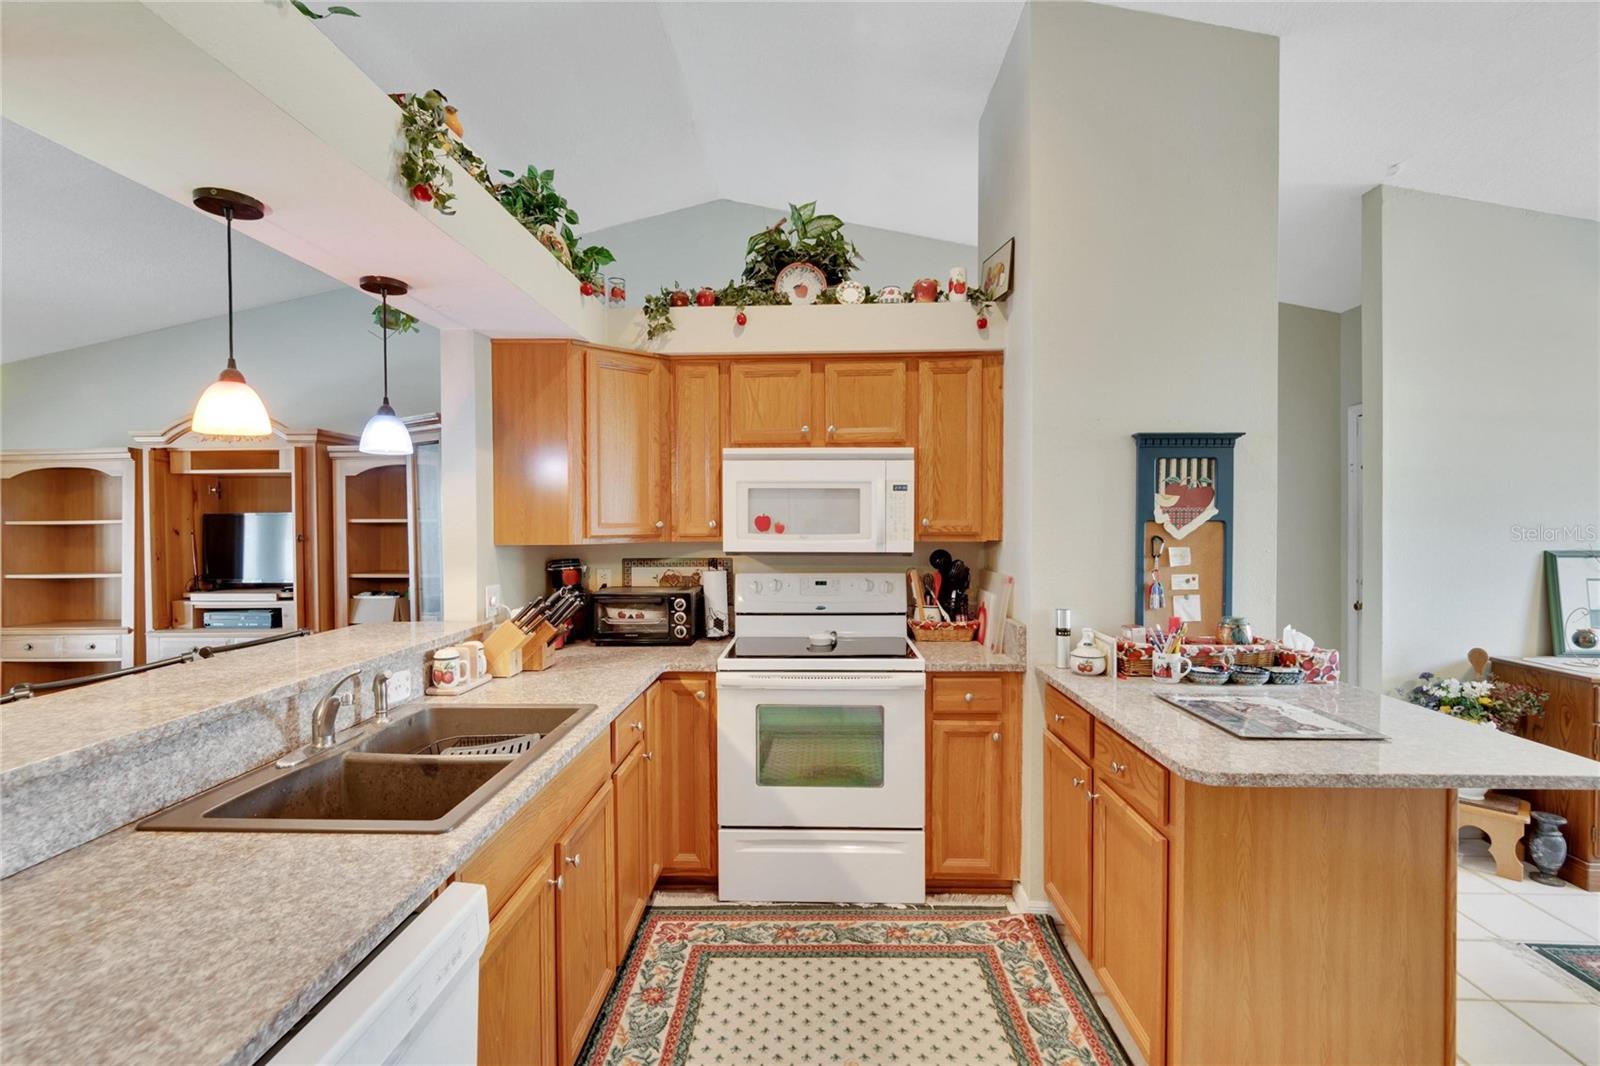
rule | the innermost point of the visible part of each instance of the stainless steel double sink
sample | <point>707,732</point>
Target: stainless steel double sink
<point>421,773</point>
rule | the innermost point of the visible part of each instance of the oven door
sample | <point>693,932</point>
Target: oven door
<point>820,750</point>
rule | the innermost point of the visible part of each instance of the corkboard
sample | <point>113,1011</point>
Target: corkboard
<point>1208,552</point>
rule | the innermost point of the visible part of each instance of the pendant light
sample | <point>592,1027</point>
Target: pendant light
<point>229,409</point>
<point>385,434</point>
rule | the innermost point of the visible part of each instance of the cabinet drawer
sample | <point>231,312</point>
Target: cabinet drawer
<point>969,692</point>
<point>20,647</point>
<point>1137,778</point>
<point>1070,723</point>
<point>627,729</point>
<point>92,646</point>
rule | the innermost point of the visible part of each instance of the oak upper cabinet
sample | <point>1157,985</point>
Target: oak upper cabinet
<point>696,451</point>
<point>686,745</point>
<point>974,773</point>
<point>517,978</point>
<point>951,468</point>
<point>632,813</point>
<point>1068,836</point>
<point>537,404</point>
<point>865,402</point>
<point>625,418</point>
<point>770,403</point>
<point>586,921</point>
<point>1130,918</point>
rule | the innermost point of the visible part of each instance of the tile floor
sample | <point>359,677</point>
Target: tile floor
<point>1514,1007</point>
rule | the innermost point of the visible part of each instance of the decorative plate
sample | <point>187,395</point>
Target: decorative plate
<point>891,294</point>
<point>802,281</point>
<point>851,292</point>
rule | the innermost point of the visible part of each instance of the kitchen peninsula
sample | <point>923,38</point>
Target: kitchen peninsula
<point>1268,901</point>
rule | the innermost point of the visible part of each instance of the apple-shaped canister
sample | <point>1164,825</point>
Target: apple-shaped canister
<point>706,297</point>
<point>925,290</point>
<point>678,298</point>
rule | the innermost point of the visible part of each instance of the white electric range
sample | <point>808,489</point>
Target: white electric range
<point>820,746</point>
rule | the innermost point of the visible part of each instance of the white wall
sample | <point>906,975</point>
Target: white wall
<point>316,361</point>
<point>1310,473</point>
<point>704,245</point>
<point>1147,299</point>
<point>1481,385</point>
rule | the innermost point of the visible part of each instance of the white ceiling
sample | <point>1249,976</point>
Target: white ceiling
<point>87,255</point>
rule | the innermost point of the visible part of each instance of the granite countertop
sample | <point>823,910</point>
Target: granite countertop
<point>967,657</point>
<point>207,947</point>
<point>1424,749</point>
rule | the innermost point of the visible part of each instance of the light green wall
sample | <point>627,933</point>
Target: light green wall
<point>1310,473</point>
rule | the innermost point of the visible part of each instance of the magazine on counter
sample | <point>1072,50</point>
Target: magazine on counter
<point>1252,717</point>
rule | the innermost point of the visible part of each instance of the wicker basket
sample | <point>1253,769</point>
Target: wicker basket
<point>943,631</point>
<point>1133,659</point>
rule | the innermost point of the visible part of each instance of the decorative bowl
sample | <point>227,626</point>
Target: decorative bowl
<point>1249,675</point>
<point>1208,675</point>
<point>1285,675</point>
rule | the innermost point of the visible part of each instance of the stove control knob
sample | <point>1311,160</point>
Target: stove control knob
<point>776,584</point>
<point>753,586</point>
<point>888,587</point>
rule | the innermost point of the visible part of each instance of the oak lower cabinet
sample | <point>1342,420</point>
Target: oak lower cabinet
<point>585,922</point>
<point>686,747</point>
<point>517,978</point>
<point>1252,925</point>
<point>973,780</point>
<point>630,790</point>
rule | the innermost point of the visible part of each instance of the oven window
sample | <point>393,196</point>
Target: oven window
<point>822,511</point>
<point>819,747</point>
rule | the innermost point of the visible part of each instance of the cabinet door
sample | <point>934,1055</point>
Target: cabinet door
<point>696,451</point>
<point>586,921</point>
<point>625,411</point>
<point>655,784</point>
<point>770,403</point>
<point>517,978</point>
<point>1068,833</point>
<point>1130,918</point>
<point>632,832</point>
<point>950,448</point>
<point>973,798</point>
<point>688,747</point>
<point>864,402</point>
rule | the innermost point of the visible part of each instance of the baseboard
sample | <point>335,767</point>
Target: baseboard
<point>1028,905</point>
<point>1584,874</point>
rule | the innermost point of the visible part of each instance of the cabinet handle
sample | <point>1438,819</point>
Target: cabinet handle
<point>557,882</point>
<point>574,860</point>
<point>1077,782</point>
<point>1059,717</point>
<point>967,697</point>
<point>994,736</point>
<point>637,727</point>
<point>712,524</point>
<point>701,695</point>
<point>805,431</point>
<point>660,524</point>
<point>1118,767</point>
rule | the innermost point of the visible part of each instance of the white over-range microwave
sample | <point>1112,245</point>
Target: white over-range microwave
<point>857,500</point>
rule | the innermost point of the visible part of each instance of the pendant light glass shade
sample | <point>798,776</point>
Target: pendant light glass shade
<point>385,434</point>
<point>229,409</point>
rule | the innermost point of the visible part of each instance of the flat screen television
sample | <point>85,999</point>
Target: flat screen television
<point>247,550</point>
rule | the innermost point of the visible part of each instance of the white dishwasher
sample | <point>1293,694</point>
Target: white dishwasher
<point>413,1000</point>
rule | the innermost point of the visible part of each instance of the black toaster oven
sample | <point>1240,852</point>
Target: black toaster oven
<point>646,615</point>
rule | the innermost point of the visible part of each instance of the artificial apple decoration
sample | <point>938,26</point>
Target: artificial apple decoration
<point>706,297</point>
<point>741,318</point>
<point>421,192</point>
<point>925,291</point>
<point>587,288</point>
<point>983,323</point>
<point>679,298</point>
<point>762,522</point>
<point>777,527</point>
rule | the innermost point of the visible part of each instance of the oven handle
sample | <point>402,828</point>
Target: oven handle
<point>822,682</point>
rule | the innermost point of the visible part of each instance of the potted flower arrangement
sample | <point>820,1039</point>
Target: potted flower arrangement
<point>1498,704</point>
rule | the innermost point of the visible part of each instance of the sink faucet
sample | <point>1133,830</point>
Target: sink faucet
<point>380,697</point>
<point>327,711</point>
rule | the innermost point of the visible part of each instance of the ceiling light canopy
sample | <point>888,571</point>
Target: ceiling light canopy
<point>385,433</point>
<point>229,409</point>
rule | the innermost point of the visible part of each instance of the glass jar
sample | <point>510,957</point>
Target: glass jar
<point>616,291</point>
<point>1235,629</point>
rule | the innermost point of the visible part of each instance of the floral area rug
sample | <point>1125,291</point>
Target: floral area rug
<point>1580,960</point>
<point>852,986</point>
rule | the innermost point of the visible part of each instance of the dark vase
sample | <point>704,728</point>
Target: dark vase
<point>1547,848</point>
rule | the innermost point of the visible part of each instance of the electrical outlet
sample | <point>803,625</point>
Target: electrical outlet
<point>602,576</point>
<point>491,601</point>
<point>398,688</point>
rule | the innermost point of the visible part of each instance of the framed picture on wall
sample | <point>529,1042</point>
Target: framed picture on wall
<point>1572,582</point>
<point>998,270</point>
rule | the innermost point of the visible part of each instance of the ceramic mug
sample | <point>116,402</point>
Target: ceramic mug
<point>1169,669</point>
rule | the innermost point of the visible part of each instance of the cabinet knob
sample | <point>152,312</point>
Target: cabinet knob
<point>1094,795</point>
<point>574,860</point>
<point>967,697</point>
<point>712,524</point>
<point>830,431</point>
<point>28,646</point>
<point>637,727</point>
<point>93,646</point>
<point>1059,717</point>
<point>1077,782</point>
<point>994,736</point>
<point>701,695</point>
<point>926,523</point>
<point>648,755</point>
<point>557,882</point>
<point>805,431</point>
<point>660,524</point>
<point>1118,767</point>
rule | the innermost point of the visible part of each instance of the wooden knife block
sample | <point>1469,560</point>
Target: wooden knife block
<point>510,651</point>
